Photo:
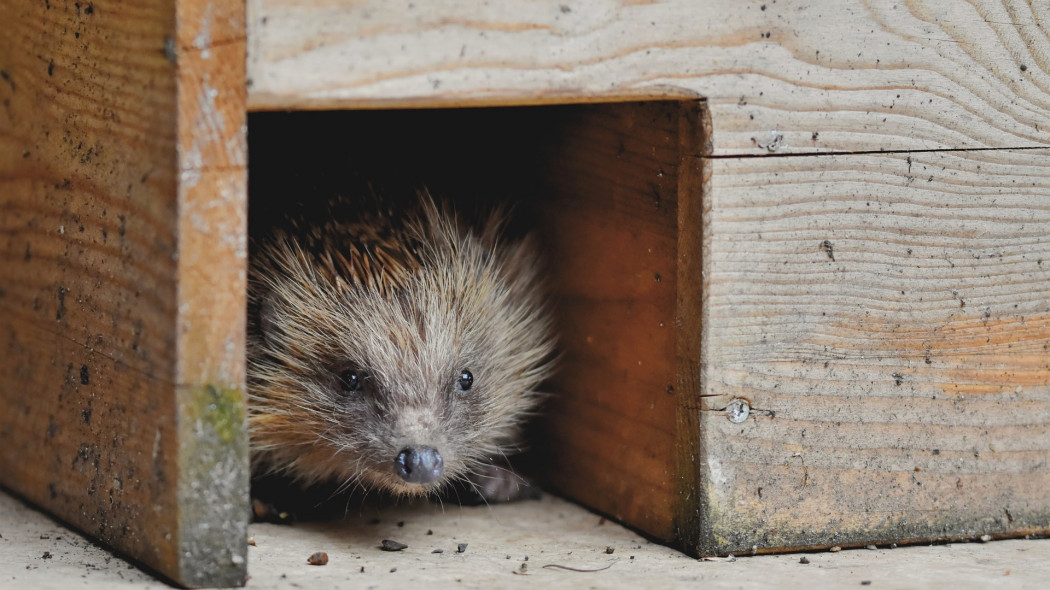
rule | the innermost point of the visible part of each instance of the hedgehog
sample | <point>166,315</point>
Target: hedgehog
<point>394,349</point>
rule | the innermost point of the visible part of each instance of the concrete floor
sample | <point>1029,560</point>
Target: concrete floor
<point>499,541</point>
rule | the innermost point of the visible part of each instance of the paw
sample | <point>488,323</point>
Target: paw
<point>492,484</point>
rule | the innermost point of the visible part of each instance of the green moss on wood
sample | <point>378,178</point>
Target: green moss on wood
<point>213,486</point>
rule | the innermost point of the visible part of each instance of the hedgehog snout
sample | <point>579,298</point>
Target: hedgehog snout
<point>419,465</point>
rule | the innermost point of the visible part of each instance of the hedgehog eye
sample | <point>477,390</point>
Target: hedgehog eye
<point>350,381</point>
<point>465,381</point>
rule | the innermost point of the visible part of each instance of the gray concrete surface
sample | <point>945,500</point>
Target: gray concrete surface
<point>38,553</point>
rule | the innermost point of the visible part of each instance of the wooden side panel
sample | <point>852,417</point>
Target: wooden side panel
<point>88,269</point>
<point>102,419</point>
<point>211,274</point>
<point>792,76</point>
<point>887,318</point>
<point>611,179</point>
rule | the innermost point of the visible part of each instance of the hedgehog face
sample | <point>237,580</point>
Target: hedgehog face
<point>399,388</point>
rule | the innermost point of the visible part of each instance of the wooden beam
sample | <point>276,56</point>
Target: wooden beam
<point>122,284</point>
<point>611,176</point>
<point>792,76</point>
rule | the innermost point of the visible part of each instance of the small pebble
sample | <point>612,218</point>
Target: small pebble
<point>609,550</point>
<point>865,583</point>
<point>871,547</point>
<point>319,558</point>
<point>804,560</point>
<point>986,538</point>
<point>251,541</point>
<point>393,569</point>
<point>388,545</point>
<point>430,532</point>
<point>438,551</point>
<point>461,548</point>
<point>835,549</point>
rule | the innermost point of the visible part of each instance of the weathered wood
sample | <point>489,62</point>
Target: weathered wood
<point>122,281</point>
<point>793,76</point>
<point>849,457</point>
<point>885,316</point>
<point>889,320</point>
<point>211,275</point>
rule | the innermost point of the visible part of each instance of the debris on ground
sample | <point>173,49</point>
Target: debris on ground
<point>388,545</point>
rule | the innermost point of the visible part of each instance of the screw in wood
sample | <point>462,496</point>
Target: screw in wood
<point>737,411</point>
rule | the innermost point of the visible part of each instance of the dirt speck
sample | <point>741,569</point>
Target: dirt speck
<point>829,249</point>
<point>388,545</point>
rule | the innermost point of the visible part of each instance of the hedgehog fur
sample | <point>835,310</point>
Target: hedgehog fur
<point>373,332</point>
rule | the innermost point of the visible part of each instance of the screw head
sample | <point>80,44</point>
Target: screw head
<point>737,411</point>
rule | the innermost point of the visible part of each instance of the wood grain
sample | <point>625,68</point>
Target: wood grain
<point>122,367</point>
<point>793,76</point>
<point>610,178</point>
<point>889,317</point>
<point>211,274</point>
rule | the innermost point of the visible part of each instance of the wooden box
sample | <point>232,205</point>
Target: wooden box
<point>801,250</point>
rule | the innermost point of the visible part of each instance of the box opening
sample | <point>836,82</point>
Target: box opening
<point>606,187</point>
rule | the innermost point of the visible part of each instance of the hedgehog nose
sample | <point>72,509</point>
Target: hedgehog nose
<point>419,464</point>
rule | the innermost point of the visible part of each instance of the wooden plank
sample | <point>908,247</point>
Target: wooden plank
<point>612,176</point>
<point>122,281</point>
<point>888,316</point>
<point>211,274</point>
<point>793,76</point>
